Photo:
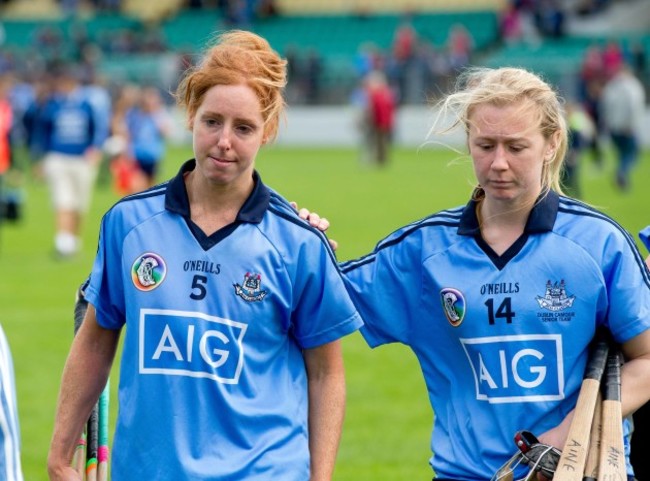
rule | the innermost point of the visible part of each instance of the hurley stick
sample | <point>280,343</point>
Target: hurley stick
<point>593,454</point>
<point>102,450</point>
<point>92,437</point>
<point>79,456</point>
<point>574,455</point>
<point>612,466</point>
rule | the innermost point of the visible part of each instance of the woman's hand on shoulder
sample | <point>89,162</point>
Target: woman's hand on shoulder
<point>316,221</point>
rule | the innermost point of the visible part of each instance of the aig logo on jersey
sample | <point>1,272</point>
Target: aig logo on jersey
<point>191,344</point>
<point>453,305</point>
<point>525,368</point>
<point>148,271</point>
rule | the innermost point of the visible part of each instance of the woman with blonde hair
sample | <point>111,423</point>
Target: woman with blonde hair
<point>500,299</point>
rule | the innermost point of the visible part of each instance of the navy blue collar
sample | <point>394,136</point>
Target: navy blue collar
<point>176,199</point>
<point>541,219</point>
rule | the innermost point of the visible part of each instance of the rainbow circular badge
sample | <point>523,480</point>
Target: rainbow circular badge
<point>148,271</point>
<point>453,304</point>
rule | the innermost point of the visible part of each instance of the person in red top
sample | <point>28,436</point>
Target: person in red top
<point>380,116</point>
<point>6,119</point>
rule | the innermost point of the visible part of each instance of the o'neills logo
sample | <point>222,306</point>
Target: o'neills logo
<point>453,305</point>
<point>148,271</point>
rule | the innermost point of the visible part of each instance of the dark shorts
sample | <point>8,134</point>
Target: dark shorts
<point>148,168</point>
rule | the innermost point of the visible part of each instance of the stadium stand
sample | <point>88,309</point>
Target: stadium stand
<point>139,43</point>
<point>335,37</point>
<point>31,9</point>
<point>151,11</point>
<point>302,7</point>
<point>558,60</point>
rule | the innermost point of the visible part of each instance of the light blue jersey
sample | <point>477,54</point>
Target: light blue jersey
<point>10,466</point>
<point>213,383</point>
<point>644,235</point>
<point>502,340</point>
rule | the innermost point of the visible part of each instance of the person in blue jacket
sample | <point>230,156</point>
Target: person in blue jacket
<point>72,157</point>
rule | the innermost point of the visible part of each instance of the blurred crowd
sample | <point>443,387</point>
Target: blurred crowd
<point>68,124</point>
<point>411,70</point>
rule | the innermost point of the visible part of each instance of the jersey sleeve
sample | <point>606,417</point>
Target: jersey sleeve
<point>644,235</point>
<point>628,285</point>
<point>386,286</point>
<point>322,310</point>
<point>106,288</point>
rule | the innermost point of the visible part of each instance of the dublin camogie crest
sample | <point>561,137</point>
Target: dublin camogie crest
<point>251,290</point>
<point>555,298</point>
<point>148,271</point>
<point>453,304</point>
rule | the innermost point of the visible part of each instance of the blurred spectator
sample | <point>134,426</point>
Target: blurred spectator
<point>313,70</point>
<point>267,9</point>
<point>378,118</point>
<point>639,62</point>
<point>148,126</point>
<point>404,42</point>
<point>72,158</point>
<point>6,120</point>
<point>591,81</point>
<point>126,175</point>
<point>34,122</point>
<point>438,73</point>
<point>550,18</point>
<point>295,90</point>
<point>49,41</point>
<point>239,13</point>
<point>510,27</point>
<point>581,132</point>
<point>367,59</point>
<point>612,58</point>
<point>403,53</point>
<point>589,7</point>
<point>623,104</point>
<point>21,96</point>
<point>96,93</point>
<point>460,45</point>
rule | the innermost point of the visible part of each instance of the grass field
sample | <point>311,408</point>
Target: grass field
<point>388,418</point>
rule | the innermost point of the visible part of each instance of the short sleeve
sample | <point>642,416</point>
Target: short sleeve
<point>106,289</point>
<point>385,286</point>
<point>644,235</point>
<point>322,311</point>
<point>628,285</point>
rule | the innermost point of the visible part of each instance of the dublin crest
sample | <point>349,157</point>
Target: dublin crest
<point>555,298</point>
<point>251,289</point>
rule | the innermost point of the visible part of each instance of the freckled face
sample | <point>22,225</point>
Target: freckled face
<point>227,133</point>
<point>508,153</point>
